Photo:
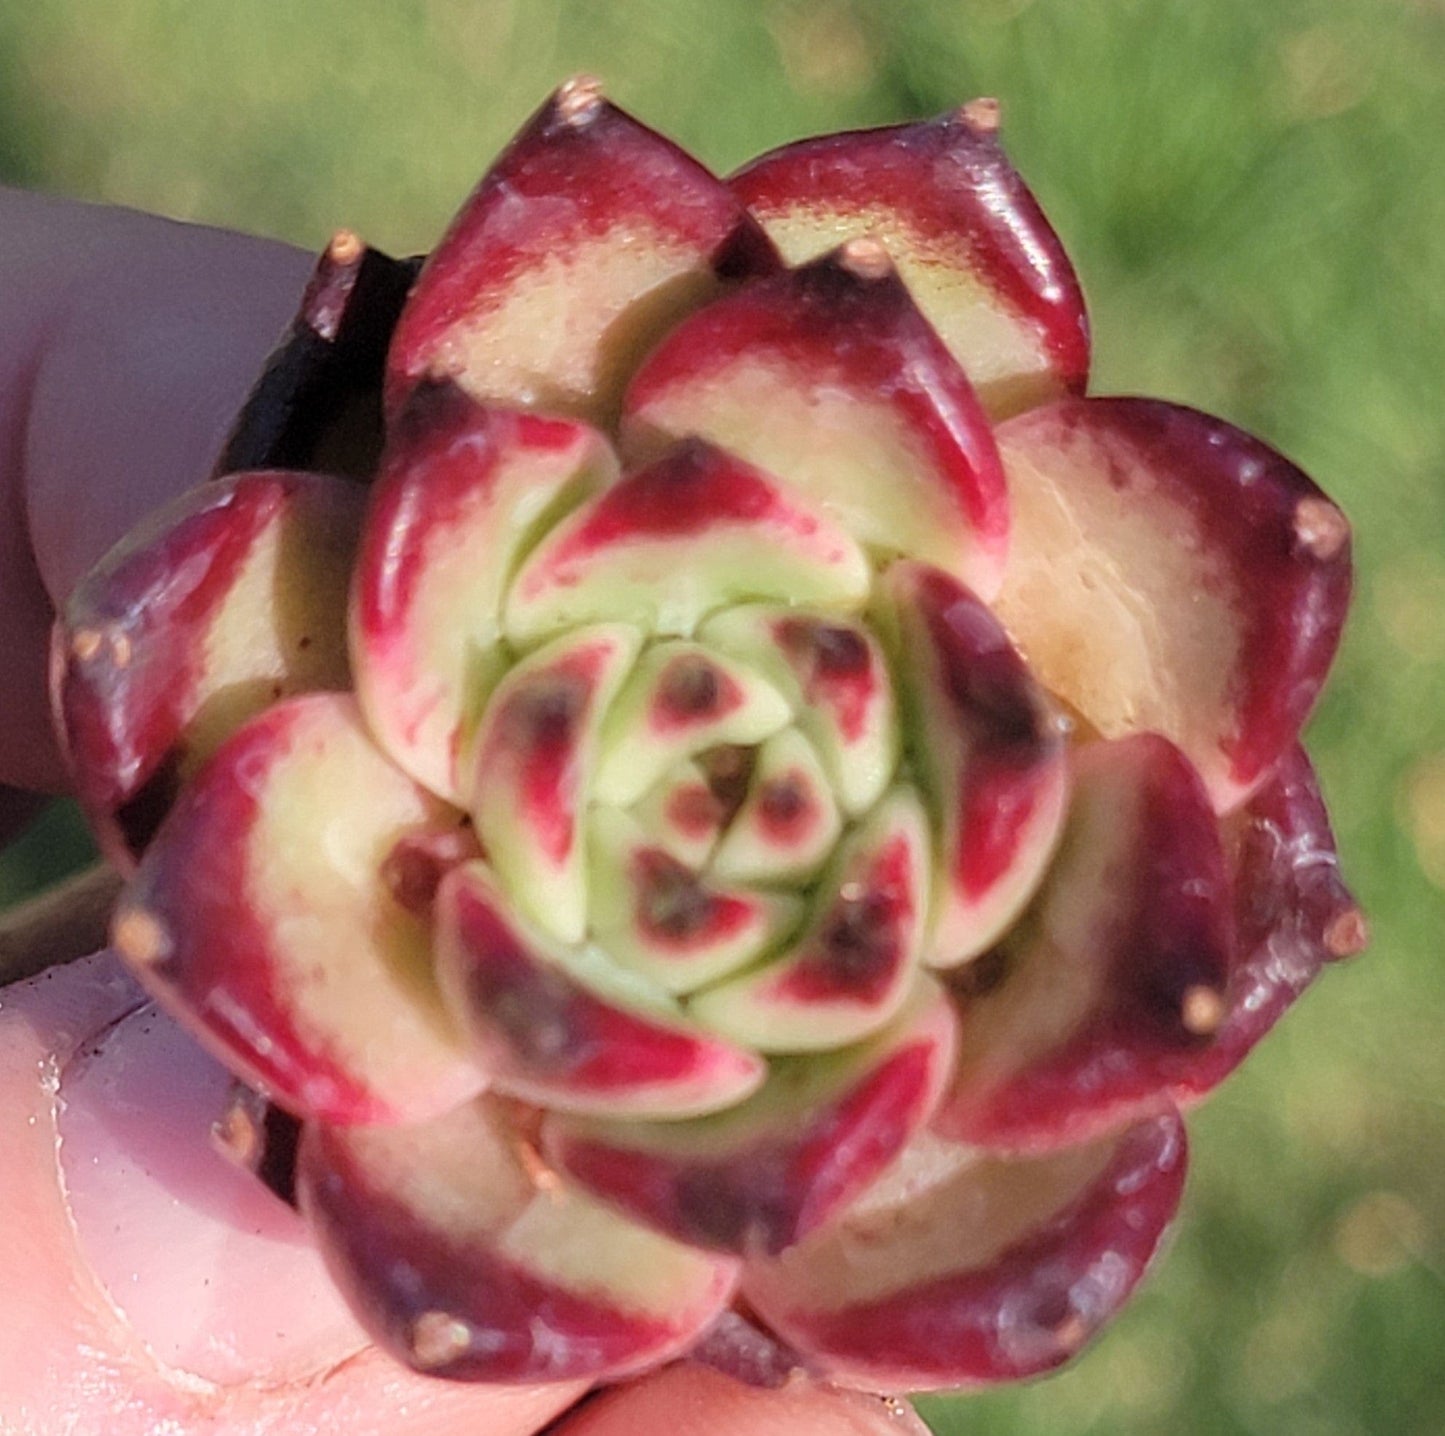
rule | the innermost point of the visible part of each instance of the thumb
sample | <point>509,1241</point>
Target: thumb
<point>150,1285</point>
<point>127,344</point>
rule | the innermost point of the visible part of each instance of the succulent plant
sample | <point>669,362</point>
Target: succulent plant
<point>743,836</point>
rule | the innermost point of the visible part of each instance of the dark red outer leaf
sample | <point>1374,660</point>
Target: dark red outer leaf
<point>1252,507</point>
<point>584,178</point>
<point>121,712</point>
<point>317,403</point>
<point>772,1191</point>
<point>393,1270</point>
<point>984,203</point>
<point>1293,911</point>
<point>217,976</point>
<point>1154,953</point>
<point>111,716</point>
<point>1025,1311</point>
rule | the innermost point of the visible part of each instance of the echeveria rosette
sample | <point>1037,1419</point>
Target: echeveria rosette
<point>769,806</point>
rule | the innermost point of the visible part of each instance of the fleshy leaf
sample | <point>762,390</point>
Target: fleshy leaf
<point>228,598</point>
<point>585,242</point>
<point>991,752</point>
<point>680,700</point>
<point>260,919</point>
<point>1169,573</point>
<point>567,1028</point>
<point>968,238</point>
<point>830,377</point>
<point>836,678</point>
<point>463,492</point>
<point>1073,1025</point>
<point>760,1176</point>
<point>788,823</point>
<point>465,1258</point>
<point>960,1269</point>
<point>317,403</point>
<point>682,815</point>
<point>1293,914</point>
<point>660,918</point>
<point>851,969</point>
<point>663,547</point>
<point>531,766</point>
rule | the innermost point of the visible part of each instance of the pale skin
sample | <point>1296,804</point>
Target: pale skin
<point>126,344</point>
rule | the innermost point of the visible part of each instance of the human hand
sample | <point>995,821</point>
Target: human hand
<point>135,1256</point>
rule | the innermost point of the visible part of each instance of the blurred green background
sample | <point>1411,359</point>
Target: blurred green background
<point>1254,193</point>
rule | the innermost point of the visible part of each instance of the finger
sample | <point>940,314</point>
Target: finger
<point>149,1284</point>
<point>127,343</point>
<point>28,755</point>
<point>688,1400</point>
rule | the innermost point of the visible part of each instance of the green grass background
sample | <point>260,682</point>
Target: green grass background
<point>1254,193</point>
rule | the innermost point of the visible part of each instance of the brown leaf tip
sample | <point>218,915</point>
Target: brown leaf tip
<point>866,258</point>
<point>446,367</point>
<point>237,1132</point>
<point>1072,1332</point>
<point>1320,528</point>
<point>85,643</point>
<point>579,100</point>
<point>984,114</point>
<point>437,1338</point>
<point>1348,933</point>
<point>345,247</point>
<point>140,937</point>
<point>1202,1010</point>
<point>541,1176</point>
<point>89,643</point>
